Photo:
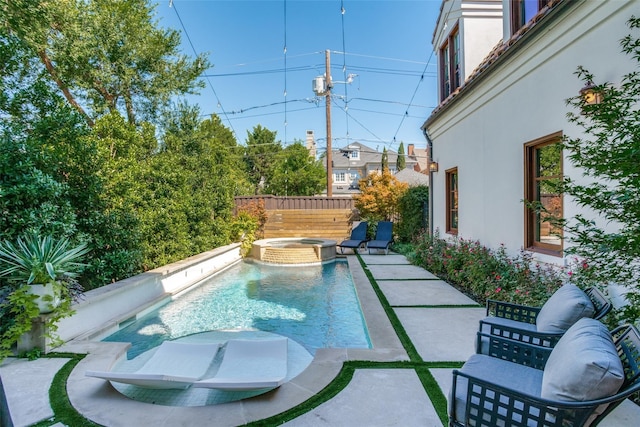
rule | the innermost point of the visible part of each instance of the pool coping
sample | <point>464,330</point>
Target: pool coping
<point>98,401</point>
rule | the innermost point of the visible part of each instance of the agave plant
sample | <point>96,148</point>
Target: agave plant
<point>51,263</point>
<point>39,260</point>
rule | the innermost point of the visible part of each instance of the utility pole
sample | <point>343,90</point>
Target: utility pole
<point>328,111</point>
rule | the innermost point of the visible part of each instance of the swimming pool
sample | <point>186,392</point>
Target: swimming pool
<point>317,306</point>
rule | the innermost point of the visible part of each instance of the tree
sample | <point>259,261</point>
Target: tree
<point>182,194</point>
<point>260,156</point>
<point>609,242</point>
<point>384,160</point>
<point>105,55</point>
<point>52,171</point>
<point>379,197</point>
<point>401,163</point>
<point>296,173</point>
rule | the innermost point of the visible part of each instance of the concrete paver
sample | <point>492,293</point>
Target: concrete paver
<point>29,382</point>
<point>444,378</point>
<point>442,334</point>
<point>398,399</point>
<point>422,292</point>
<point>399,272</point>
<point>390,259</point>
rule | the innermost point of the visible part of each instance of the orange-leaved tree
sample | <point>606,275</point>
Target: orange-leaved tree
<point>379,197</point>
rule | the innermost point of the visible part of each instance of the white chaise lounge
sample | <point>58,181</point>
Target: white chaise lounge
<point>174,365</point>
<point>250,365</point>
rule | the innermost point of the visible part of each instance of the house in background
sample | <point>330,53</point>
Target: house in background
<point>419,156</point>
<point>506,69</point>
<point>356,160</point>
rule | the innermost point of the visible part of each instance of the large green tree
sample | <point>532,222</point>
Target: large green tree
<point>105,55</point>
<point>609,154</point>
<point>182,193</point>
<point>52,171</point>
<point>296,173</point>
<point>262,149</point>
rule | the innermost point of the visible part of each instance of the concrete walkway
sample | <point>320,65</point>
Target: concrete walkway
<point>439,320</point>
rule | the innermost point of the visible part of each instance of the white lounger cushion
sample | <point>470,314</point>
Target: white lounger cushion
<point>173,365</point>
<point>250,365</point>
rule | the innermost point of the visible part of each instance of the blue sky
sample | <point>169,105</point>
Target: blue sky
<point>386,43</point>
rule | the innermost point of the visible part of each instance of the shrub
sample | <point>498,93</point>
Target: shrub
<point>248,224</point>
<point>411,209</point>
<point>484,274</point>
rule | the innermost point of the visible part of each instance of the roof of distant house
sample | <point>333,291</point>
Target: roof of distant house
<point>412,177</point>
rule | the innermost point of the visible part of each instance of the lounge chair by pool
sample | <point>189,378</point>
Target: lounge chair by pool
<point>384,237</point>
<point>174,365</point>
<point>357,239</point>
<point>250,365</point>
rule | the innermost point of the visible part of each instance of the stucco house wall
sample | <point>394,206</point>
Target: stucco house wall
<point>517,99</point>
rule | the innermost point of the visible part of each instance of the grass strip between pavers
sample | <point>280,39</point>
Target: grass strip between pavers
<point>393,318</point>
<point>431,387</point>
<point>63,411</point>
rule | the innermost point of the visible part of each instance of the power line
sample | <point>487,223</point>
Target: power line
<point>361,125</point>
<point>385,101</point>
<point>406,113</point>
<point>285,69</point>
<point>261,72</point>
<point>196,54</point>
<point>347,106</point>
<point>344,69</point>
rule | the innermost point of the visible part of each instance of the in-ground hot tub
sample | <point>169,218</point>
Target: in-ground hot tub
<point>293,250</point>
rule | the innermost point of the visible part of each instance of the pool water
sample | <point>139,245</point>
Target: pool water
<point>317,306</point>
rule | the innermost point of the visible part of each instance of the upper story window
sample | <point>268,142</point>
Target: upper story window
<point>522,11</point>
<point>450,64</point>
<point>340,177</point>
<point>543,171</point>
<point>355,154</point>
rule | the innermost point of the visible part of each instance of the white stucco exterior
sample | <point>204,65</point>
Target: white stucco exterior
<point>519,98</point>
<point>479,23</point>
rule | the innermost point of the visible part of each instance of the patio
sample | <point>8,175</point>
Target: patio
<point>420,329</point>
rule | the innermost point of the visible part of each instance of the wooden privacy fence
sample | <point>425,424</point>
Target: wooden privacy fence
<point>324,217</point>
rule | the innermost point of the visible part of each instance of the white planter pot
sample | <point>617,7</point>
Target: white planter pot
<point>47,299</point>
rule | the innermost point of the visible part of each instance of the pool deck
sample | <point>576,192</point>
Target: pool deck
<point>439,320</point>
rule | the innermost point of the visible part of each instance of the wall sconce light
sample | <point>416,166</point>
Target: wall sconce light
<point>433,167</point>
<point>590,95</point>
